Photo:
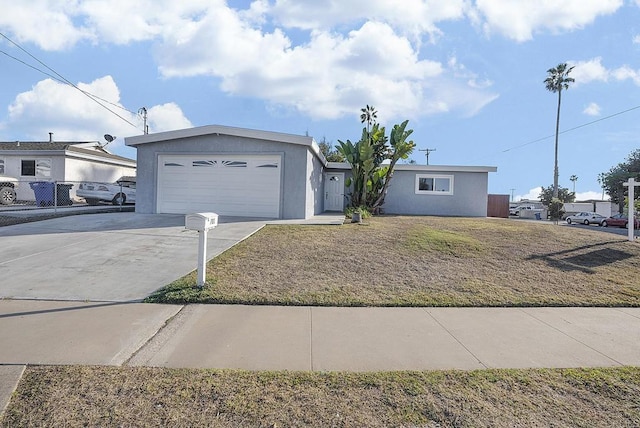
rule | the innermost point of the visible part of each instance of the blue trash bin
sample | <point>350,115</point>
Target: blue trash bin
<point>538,217</point>
<point>43,191</point>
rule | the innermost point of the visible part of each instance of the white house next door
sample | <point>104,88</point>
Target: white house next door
<point>334,191</point>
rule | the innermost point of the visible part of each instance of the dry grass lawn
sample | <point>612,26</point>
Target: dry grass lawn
<point>153,397</point>
<point>422,261</point>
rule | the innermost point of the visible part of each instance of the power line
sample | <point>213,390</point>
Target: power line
<point>574,128</point>
<point>62,79</point>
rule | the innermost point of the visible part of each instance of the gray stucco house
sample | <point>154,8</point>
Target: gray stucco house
<point>251,173</point>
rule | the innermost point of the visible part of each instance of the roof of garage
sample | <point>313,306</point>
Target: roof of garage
<point>227,130</point>
<point>220,130</point>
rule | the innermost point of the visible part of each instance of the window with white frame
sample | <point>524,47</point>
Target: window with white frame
<point>1,166</point>
<point>35,168</point>
<point>430,184</point>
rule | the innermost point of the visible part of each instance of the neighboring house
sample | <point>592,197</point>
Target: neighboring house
<point>250,173</point>
<point>60,161</point>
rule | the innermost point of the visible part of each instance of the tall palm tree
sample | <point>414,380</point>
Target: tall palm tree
<point>368,114</point>
<point>557,80</point>
<point>574,178</point>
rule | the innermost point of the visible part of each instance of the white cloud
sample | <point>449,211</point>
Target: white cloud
<point>167,117</point>
<point>636,39</point>
<point>51,106</point>
<point>532,195</point>
<point>327,75</point>
<point>588,195</point>
<point>47,23</point>
<point>415,17</point>
<point>588,71</point>
<point>625,72</point>
<point>593,70</point>
<point>519,20</point>
<point>592,109</point>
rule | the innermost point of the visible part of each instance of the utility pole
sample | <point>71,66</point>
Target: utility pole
<point>427,151</point>
<point>142,111</point>
<point>512,194</point>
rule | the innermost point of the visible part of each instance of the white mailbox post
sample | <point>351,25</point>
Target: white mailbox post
<point>202,222</point>
<point>631,184</point>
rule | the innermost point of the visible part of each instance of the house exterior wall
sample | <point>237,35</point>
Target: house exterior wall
<point>295,165</point>
<point>77,170</point>
<point>469,198</point>
<point>315,186</point>
<point>85,170</point>
<point>13,166</point>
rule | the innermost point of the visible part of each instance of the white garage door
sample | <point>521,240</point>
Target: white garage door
<point>242,185</point>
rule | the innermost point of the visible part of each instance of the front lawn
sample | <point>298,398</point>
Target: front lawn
<point>77,396</point>
<point>421,261</point>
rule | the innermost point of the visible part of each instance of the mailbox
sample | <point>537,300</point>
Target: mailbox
<point>201,221</point>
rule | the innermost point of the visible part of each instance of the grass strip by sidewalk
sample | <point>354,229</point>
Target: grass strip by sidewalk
<point>149,397</point>
<point>421,261</point>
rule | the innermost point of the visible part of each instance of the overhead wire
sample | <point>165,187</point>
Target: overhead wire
<point>573,129</point>
<point>64,80</point>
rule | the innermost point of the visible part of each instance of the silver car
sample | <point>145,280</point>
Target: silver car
<point>121,192</point>
<point>586,218</point>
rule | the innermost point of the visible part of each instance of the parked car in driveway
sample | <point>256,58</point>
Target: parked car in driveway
<point>586,218</point>
<point>8,187</point>
<point>121,192</point>
<point>620,220</point>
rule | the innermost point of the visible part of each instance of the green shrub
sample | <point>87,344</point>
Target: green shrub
<point>364,211</point>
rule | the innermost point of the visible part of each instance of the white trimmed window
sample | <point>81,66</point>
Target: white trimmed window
<point>428,184</point>
<point>1,166</point>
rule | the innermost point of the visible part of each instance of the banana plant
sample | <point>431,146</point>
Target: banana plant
<point>400,149</point>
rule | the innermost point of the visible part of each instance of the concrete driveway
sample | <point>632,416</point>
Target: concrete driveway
<point>114,257</point>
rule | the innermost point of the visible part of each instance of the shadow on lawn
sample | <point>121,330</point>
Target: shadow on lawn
<point>582,259</point>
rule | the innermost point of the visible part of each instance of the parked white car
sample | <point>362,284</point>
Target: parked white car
<point>8,186</point>
<point>516,210</point>
<point>121,192</point>
<point>586,218</point>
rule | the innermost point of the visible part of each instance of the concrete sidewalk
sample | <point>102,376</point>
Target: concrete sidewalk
<point>310,338</point>
<point>316,338</point>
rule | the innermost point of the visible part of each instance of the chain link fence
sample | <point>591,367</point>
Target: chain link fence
<point>24,201</point>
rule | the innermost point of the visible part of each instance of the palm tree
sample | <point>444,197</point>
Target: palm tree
<point>557,80</point>
<point>368,114</point>
<point>574,178</point>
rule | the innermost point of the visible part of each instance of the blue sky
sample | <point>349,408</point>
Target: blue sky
<point>467,74</point>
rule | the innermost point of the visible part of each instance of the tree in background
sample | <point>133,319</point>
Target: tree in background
<point>329,151</point>
<point>564,195</point>
<point>557,80</point>
<point>611,181</point>
<point>573,179</point>
<point>370,177</point>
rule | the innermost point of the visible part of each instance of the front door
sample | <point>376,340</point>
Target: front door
<point>334,191</point>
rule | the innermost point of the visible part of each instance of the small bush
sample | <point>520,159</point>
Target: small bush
<point>364,211</point>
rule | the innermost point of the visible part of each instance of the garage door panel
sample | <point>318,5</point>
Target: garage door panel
<point>243,185</point>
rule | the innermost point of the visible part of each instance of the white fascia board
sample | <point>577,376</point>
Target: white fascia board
<point>445,168</point>
<point>220,130</point>
<point>423,168</point>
